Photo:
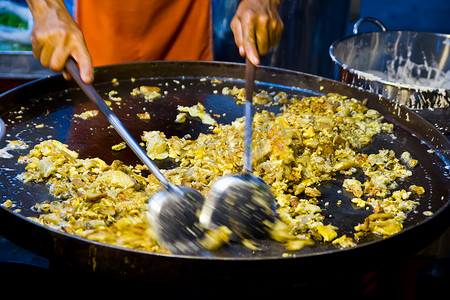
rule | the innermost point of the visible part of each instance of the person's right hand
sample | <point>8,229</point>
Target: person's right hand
<point>257,27</point>
<point>56,37</point>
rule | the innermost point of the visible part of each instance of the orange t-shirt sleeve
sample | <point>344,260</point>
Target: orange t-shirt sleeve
<point>118,31</point>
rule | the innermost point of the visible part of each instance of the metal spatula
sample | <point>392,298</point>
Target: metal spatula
<point>244,203</point>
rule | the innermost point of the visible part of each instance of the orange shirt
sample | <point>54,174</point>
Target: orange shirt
<point>119,31</point>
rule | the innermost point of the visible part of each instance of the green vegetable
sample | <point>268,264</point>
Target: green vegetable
<point>12,20</point>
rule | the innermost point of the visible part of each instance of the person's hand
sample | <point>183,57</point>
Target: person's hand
<point>56,37</point>
<point>257,27</point>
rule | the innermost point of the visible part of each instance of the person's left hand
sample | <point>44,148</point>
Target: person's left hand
<point>257,27</point>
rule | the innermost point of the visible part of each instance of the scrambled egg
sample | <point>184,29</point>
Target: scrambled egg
<point>144,115</point>
<point>114,96</point>
<point>310,141</point>
<point>12,145</point>
<point>262,97</point>
<point>101,202</point>
<point>157,146</point>
<point>149,92</point>
<point>87,114</point>
<point>119,147</point>
<point>196,111</point>
<point>353,186</point>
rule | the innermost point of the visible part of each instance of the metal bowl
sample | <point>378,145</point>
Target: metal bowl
<point>412,68</point>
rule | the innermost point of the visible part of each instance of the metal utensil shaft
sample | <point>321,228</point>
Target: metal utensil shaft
<point>92,94</point>
<point>2,128</point>
<point>249,87</point>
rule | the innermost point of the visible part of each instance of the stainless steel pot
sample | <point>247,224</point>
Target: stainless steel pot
<point>412,68</point>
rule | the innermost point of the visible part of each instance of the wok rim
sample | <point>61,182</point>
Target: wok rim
<point>438,217</point>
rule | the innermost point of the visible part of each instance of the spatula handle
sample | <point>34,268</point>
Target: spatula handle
<point>92,94</point>
<point>249,87</point>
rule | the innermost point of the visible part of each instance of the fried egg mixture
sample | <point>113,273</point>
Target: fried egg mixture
<point>310,141</point>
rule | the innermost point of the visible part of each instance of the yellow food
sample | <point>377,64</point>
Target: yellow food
<point>114,96</point>
<point>310,141</point>
<point>87,114</point>
<point>382,223</point>
<point>157,146</point>
<point>407,158</point>
<point>196,111</point>
<point>144,116</point>
<point>354,186</point>
<point>344,242</point>
<point>327,232</point>
<point>149,92</point>
<point>12,145</point>
<point>119,147</point>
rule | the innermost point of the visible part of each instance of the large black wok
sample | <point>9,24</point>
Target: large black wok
<point>53,101</point>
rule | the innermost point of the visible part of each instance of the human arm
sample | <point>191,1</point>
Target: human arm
<point>56,37</point>
<point>257,27</point>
